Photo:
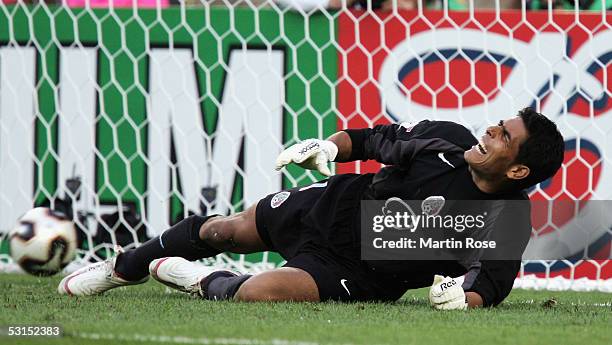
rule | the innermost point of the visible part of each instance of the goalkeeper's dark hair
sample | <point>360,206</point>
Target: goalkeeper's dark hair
<point>543,150</point>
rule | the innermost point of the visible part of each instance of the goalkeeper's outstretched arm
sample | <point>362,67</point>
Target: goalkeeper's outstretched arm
<point>345,146</point>
<point>398,144</point>
<point>392,144</point>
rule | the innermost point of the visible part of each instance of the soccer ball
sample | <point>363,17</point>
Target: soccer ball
<point>43,242</point>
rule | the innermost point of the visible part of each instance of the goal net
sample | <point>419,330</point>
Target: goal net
<point>129,119</point>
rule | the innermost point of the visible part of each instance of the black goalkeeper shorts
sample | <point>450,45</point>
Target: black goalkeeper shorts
<point>313,228</point>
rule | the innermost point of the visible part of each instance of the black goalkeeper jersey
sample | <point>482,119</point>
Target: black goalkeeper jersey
<point>423,160</point>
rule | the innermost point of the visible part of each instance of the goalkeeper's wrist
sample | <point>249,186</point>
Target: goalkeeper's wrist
<point>330,148</point>
<point>343,144</point>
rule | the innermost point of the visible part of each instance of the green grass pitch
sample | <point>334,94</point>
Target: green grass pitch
<point>150,314</point>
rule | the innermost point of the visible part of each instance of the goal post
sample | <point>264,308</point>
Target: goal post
<point>131,119</point>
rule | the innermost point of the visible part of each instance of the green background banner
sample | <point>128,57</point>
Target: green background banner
<point>123,38</point>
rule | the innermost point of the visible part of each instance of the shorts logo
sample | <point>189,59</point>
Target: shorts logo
<point>279,199</point>
<point>432,205</point>
<point>343,283</point>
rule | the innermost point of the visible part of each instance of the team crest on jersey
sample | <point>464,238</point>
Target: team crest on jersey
<point>279,199</point>
<point>432,205</point>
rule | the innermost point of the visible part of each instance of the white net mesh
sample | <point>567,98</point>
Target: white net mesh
<point>130,119</point>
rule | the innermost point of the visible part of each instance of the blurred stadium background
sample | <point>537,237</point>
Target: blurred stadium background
<point>130,115</point>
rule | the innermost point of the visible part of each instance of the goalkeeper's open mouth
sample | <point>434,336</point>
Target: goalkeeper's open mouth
<point>481,147</point>
<point>479,153</point>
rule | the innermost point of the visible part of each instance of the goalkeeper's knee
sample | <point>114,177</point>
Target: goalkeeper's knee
<point>218,233</point>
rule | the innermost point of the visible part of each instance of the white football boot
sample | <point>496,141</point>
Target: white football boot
<point>180,274</point>
<point>94,279</point>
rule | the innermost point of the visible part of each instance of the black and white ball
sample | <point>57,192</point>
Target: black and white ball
<point>43,242</point>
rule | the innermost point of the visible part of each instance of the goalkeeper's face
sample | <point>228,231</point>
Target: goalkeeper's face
<point>495,154</point>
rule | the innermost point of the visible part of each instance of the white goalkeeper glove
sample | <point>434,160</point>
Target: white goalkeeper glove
<point>447,294</point>
<point>312,154</point>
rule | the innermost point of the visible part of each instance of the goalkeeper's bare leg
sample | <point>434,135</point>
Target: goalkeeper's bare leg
<point>281,284</point>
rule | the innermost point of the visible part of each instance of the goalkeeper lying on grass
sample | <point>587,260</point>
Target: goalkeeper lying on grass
<point>315,228</point>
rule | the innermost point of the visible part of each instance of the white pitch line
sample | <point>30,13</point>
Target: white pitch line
<point>573,304</point>
<point>189,340</point>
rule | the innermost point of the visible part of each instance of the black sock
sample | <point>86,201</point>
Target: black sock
<point>183,239</point>
<point>222,285</point>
